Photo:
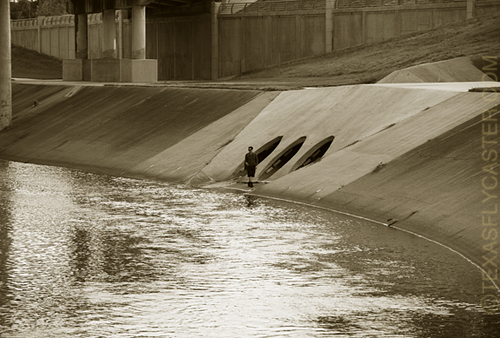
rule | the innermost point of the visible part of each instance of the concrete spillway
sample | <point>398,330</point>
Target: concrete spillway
<point>411,156</point>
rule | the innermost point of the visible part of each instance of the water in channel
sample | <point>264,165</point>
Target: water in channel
<point>86,255</point>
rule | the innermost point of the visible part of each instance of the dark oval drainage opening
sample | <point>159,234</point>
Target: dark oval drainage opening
<point>283,158</point>
<point>262,153</point>
<point>315,154</point>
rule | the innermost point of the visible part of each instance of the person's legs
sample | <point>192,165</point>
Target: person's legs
<point>251,174</point>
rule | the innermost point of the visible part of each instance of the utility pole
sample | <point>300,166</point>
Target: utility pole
<point>5,66</point>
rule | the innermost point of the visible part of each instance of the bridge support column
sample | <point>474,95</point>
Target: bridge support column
<point>138,32</point>
<point>214,11</point>
<point>122,14</point>
<point>78,69</point>
<point>81,36</point>
<point>109,34</point>
<point>5,66</point>
<point>329,26</point>
<point>471,9</point>
<point>111,67</point>
<point>108,67</point>
<point>138,68</point>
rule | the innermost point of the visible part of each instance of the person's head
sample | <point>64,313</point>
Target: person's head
<point>250,149</point>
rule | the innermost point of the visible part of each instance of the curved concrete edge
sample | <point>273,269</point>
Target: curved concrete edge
<point>439,190</point>
<point>374,128</point>
<point>424,174</point>
<point>454,70</point>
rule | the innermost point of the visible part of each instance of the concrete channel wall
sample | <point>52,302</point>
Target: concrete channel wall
<point>198,43</point>
<point>409,155</point>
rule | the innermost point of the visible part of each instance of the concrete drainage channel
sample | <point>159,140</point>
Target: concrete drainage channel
<point>312,156</point>
<point>282,159</point>
<point>262,153</point>
<point>89,128</point>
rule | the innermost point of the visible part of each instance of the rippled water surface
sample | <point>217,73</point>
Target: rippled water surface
<point>85,255</point>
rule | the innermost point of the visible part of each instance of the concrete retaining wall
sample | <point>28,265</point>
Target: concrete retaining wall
<point>48,35</point>
<point>260,34</point>
<point>55,35</point>
<point>26,33</point>
<point>353,26</point>
<point>257,35</point>
<point>249,36</point>
<point>182,45</point>
<point>253,41</point>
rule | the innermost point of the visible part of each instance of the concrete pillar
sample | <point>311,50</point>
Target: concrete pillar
<point>214,11</point>
<point>81,36</point>
<point>5,66</point>
<point>39,33</point>
<point>471,9</point>
<point>363,28</point>
<point>109,34</point>
<point>119,44</point>
<point>329,26</point>
<point>138,32</point>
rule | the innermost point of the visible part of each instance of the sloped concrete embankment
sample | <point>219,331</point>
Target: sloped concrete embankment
<point>117,130</point>
<point>409,155</point>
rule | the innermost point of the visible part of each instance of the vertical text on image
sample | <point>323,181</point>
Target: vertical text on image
<point>489,182</point>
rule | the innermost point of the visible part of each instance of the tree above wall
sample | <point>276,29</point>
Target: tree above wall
<point>24,9</point>
<point>51,7</point>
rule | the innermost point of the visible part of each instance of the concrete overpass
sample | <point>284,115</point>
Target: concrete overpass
<point>112,67</point>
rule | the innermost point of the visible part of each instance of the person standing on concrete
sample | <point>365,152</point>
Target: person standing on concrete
<point>251,161</point>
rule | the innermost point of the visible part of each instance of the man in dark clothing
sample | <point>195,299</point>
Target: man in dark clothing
<point>251,161</point>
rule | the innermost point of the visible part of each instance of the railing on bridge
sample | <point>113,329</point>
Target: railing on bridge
<point>266,6</point>
<point>380,3</point>
<point>242,7</point>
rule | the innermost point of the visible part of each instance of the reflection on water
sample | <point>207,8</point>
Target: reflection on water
<point>85,255</point>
